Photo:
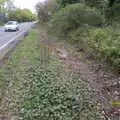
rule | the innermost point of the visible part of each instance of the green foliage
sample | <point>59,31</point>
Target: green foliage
<point>21,15</point>
<point>80,25</point>
<point>97,3</point>
<point>50,96</point>
<point>102,43</point>
<point>108,8</point>
<point>12,73</point>
<point>64,3</point>
<point>39,86</point>
<point>73,16</point>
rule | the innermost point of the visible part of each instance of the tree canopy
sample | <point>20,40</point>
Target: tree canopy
<point>21,15</point>
<point>8,11</point>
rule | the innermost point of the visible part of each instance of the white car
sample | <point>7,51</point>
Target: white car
<point>12,25</point>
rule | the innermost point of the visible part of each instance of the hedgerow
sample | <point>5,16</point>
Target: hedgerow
<point>80,25</point>
<point>101,43</point>
<point>72,17</point>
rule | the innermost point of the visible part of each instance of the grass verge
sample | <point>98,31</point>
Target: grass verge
<point>11,74</point>
<point>35,86</point>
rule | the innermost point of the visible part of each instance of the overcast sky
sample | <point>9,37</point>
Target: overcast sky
<point>27,4</point>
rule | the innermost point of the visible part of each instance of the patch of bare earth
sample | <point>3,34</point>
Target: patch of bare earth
<point>101,81</point>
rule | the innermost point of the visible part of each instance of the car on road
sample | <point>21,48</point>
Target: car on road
<point>11,26</point>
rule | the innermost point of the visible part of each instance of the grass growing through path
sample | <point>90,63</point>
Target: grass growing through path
<point>33,84</point>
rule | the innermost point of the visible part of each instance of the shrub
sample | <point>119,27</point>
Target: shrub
<point>79,37</point>
<point>73,16</point>
<point>78,24</point>
<point>100,4</point>
<point>101,43</point>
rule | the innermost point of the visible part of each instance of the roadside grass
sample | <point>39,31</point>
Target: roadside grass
<point>11,74</point>
<point>35,86</point>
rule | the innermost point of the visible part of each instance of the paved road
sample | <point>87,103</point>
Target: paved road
<point>5,37</point>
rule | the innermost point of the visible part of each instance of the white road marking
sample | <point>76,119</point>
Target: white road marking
<point>16,37</point>
<point>13,39</point>
<point>6,47</point>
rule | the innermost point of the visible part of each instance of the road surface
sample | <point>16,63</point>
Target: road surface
<point>8,39</point>
<point>5,37</point>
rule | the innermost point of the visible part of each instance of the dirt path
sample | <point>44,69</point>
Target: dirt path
<point>100,81</point>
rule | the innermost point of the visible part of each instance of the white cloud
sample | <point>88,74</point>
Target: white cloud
<point>27,4</point>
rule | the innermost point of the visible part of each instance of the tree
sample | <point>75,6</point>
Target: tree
<point>21,15</point>
<point>5,6</point>
<point>46,9</point>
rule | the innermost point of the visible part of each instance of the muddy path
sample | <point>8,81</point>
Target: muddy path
<point>101,81</point>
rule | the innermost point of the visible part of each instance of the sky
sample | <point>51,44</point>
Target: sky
<point>27,4</point>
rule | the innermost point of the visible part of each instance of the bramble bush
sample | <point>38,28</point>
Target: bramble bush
<point>72,17</point>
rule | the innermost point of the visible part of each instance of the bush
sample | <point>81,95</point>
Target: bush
<point>100,4</point>
<point>115,13</point>
<point>101,43</point>
<point>73,16</point>
<point>78,23</point>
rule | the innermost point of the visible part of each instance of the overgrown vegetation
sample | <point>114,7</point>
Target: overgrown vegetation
<point>50,96</point>
<point>100,43</point>
<point>91,26</point>
<point>74,16</point>
<point>11,75</point>
<point>36,85</point>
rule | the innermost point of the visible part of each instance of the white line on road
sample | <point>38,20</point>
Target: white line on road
<point>16,37</point>
<point>5,48</point>
<point>13,39</point>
